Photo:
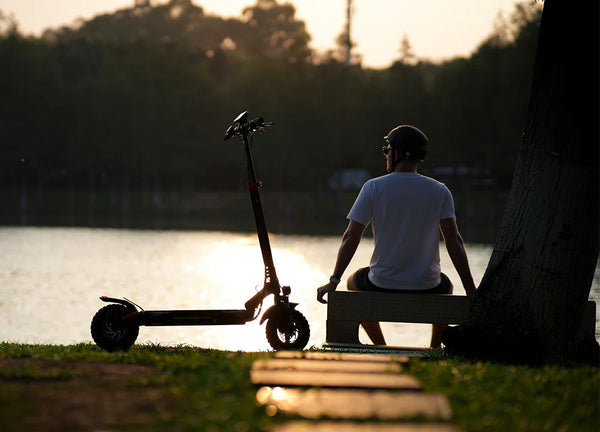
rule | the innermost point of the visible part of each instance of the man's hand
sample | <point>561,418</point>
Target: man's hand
<point>321,291</point>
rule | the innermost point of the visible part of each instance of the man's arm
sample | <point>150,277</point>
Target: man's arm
<point>350,241</point>
<point>458,255</point>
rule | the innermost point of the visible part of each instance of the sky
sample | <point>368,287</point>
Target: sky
<point>436,29</point>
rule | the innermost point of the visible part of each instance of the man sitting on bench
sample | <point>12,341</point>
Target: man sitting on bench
<point>407,211</point>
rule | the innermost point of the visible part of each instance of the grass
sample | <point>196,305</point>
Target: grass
<point>155,388</point>
<point>498,397</point>
<point>150,388</point>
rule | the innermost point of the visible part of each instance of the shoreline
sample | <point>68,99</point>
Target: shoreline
<point>478,213</point>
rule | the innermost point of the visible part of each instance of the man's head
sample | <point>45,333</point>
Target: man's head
<point>409,142</point>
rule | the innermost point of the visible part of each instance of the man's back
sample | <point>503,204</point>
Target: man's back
<point>405,210</point>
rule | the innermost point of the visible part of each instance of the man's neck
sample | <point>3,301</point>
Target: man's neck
<point>407,166</point>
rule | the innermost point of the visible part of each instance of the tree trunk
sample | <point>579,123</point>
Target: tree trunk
<point>529,306</point>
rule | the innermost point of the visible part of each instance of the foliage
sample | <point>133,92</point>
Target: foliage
<point>140,98</point>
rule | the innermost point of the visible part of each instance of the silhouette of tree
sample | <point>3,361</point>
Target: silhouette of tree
<point>530,304</point>
<point>139,97</point>
<point>272,31</point>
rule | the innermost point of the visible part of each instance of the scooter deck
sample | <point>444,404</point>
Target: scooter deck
<point>191,317</point>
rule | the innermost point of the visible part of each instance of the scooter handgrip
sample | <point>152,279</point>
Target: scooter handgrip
<point>229,133</point>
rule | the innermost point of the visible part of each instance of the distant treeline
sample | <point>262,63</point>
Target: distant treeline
<point>140,99</point>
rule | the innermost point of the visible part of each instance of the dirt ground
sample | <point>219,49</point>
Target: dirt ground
<point>45,395</point>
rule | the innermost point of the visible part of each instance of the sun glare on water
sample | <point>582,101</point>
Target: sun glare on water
<point>232,271</point>
<point>47,271</point>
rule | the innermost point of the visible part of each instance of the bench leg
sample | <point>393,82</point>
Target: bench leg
<point>589,317</point>
<point>436,335</point>
<point>342,332</point>
<point>373,329</point>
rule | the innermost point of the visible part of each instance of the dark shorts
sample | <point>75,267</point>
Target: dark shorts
<point>363,283</point>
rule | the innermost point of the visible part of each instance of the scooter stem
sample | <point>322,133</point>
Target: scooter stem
<point>271,281</point>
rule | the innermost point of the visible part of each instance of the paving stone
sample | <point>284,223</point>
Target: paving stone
<point>329,355</point>
<point>306,426</point>
<point>354,404</point>
<point>377,349</point>
<point>283,378</point>
<point>314,365</point>
<point>346,387</point>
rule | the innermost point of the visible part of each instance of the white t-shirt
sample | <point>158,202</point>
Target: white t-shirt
<point>405,210</point>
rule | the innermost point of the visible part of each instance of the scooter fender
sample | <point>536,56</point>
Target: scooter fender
<point>127,303</point>
<point>134,315</point>
<point>277,310</point>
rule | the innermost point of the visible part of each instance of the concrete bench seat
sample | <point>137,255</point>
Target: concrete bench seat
<point>346,310</point>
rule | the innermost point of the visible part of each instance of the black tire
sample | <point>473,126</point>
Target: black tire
<point>290,335</point>
<point>110,332</point>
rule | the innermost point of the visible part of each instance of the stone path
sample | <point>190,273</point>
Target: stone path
<point>347,392</point>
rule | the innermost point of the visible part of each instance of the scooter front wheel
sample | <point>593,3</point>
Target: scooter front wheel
<point>110,332</point>
<point>288,331</point>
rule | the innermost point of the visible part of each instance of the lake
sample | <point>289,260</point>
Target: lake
<point>51,278</point>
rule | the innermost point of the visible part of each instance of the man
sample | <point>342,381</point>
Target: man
<point>407,211</point>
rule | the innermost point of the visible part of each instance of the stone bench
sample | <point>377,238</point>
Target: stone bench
<point>346,310</point>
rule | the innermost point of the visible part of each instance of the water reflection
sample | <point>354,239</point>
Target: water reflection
<point>51,278</point>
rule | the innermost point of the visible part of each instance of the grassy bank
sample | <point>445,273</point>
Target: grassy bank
<point>154,388</point>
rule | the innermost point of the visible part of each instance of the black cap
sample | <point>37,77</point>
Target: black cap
<point>409,141</point>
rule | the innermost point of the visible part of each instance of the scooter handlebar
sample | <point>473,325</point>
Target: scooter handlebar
<point>243,126</point>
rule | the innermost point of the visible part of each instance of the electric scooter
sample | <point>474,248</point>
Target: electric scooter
<point>116,326</point>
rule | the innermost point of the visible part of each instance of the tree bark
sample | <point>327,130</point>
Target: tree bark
<point>529,306</point>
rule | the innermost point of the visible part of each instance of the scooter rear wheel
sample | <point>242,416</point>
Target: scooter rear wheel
<point>290,332</point>
<point>110,332</point>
